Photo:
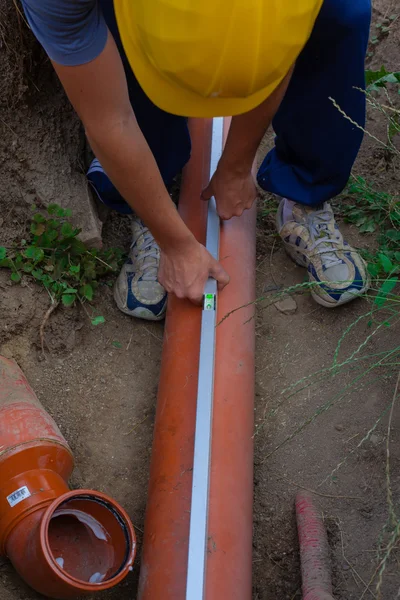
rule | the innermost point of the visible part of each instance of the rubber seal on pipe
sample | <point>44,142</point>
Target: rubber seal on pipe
<point>114,520</point>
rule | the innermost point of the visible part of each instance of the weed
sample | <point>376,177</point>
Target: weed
<point>380,84</point>
<point>370,209</point>
<point>382,30</point>
<point>54,256</point>
<point>374,211</point>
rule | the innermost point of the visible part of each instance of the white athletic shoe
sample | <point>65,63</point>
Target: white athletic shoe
<point>313,240</point>
<point>137,291</point>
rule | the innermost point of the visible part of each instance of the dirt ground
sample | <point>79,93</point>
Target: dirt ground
<point>103,397</point>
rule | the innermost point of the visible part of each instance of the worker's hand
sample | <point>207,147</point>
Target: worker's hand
<point>184,271</point>
<point>233,191</point>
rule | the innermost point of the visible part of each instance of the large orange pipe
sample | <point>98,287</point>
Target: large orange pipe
<point>230,525</point>
<point>165,548</point>
<point>165,551</point>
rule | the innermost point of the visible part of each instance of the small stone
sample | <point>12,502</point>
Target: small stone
<point>287,306</point>
<point>339,427</point>
<point>271,287</point>
<point>374,439</point>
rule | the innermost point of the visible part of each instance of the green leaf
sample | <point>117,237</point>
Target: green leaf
<point>48,237</point>
<point>393,234</point>
<point>368,227</point>
<point>28,268</point>
<point>67,230</point>
<point>373,269</point>
<point>90,271</point>
<point>16,277</point>
<point>37,228</point>
<point>36,254</point>
<point>386,263</point>
<point>98,321</point>
<point>378,79</point>
<point>68,212</point>
<point>70,290</point>
<point>385,289</point>
<point>18,261</point>
<point>117,344</point>
<point>48,281</point>
<point>3,252</point>
<point>52,209</point>
<point>60,212</point>
<point>77,247</point>
<point>68,299</point>
<point>38,218</point>
<point>87,292</point>
<point>75,268</point>
<point>37,274</point>
<point>391,78</point>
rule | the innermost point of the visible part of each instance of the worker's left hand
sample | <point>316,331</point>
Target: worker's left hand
<point>234,191</point>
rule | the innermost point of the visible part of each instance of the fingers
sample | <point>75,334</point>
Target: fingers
<point>218,272</point>
<point>226,216</point>
<point>206,193</point>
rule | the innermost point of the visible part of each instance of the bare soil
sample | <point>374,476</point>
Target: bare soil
<point>103,397</point>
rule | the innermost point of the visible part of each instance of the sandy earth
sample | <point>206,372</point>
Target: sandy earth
<point>103,397</point>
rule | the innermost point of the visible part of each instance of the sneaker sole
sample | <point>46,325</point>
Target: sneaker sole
<point>349,298</point>
<point>139,313</point>
<point>294,256</point>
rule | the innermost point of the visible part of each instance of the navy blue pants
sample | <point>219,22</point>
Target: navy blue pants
<point>315,147</point>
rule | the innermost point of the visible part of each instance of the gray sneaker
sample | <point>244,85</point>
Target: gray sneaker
<point>313,240</point>
<point>137,292</point>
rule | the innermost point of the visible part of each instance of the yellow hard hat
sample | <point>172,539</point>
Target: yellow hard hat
<point>209,58</point>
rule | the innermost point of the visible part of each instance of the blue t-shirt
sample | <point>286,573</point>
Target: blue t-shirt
<point>72,32</point>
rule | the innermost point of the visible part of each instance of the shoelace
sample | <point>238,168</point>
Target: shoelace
<point>145,247</point>
<point>322,237</point>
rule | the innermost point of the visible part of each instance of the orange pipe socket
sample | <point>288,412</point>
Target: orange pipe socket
<point>165,551</point>
<point>63,543</point>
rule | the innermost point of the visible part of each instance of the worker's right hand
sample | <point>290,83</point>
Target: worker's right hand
<point>184,271</point>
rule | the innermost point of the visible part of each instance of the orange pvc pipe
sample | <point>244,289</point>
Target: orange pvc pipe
<point>63,543</point>
<point>230,524</point>
<point>165,550</point>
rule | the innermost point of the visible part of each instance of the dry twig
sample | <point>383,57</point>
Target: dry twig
<point>46,317</point>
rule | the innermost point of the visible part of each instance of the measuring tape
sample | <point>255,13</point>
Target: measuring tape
<point>197,554</point>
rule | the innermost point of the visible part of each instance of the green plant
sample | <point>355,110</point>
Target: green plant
<point>374,211</point>
<point>377,212</point>
<point>54,256</point>
<point>380,84</point>
<point>370,209</point>
<point>383,29</point>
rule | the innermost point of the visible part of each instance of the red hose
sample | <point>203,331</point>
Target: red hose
<point>314,550</point>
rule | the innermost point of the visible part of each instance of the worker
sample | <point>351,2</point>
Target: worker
<point>134,70</point>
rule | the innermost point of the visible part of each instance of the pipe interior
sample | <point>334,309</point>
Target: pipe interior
<point>88,540</point>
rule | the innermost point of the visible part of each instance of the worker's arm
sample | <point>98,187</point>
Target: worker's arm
<point>99,94</point>
<point>233,183</point>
